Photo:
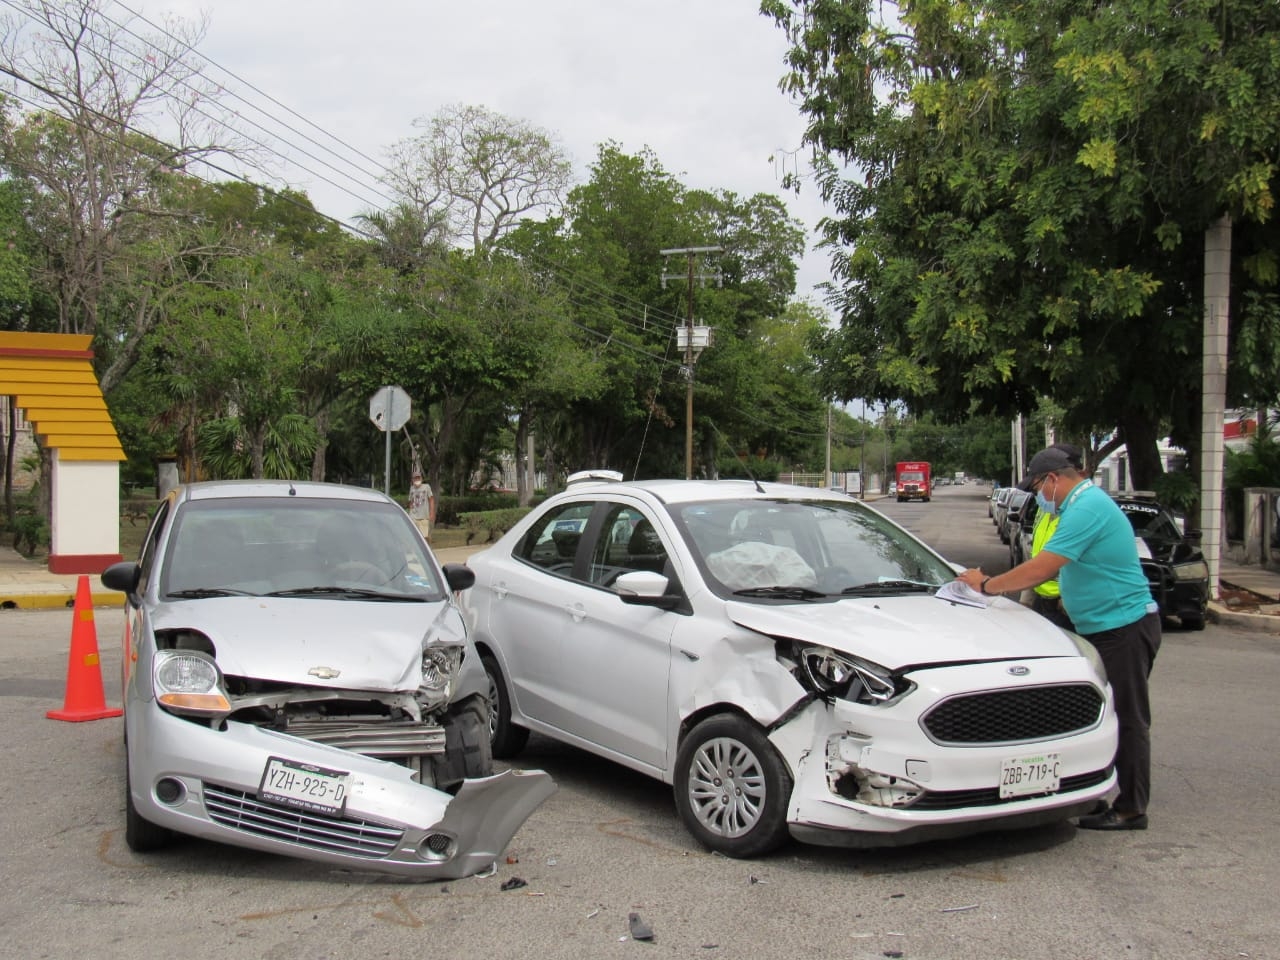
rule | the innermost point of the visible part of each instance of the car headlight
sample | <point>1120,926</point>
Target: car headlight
<point>849,678</point>
<point>190,683</point>
<point>440,665</point>
<point>1196,570</point>
<point>1090,653</point>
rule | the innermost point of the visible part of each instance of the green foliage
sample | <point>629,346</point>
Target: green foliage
<point>29,526</point>
<point>1258,465</point>
<point>228,452</point>
<point>1178,491</point>
<point>1032,184</point>
<point>491,523</point>
<point>450,508</point>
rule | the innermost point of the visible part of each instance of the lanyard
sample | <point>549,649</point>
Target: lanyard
<point>1080,488</point>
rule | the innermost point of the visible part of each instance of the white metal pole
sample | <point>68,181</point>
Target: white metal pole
<point>1217,313</point>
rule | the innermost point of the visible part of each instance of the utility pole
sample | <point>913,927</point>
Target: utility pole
<point>694,339</point>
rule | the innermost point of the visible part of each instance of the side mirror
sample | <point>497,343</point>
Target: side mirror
<point>459,576</point>
<point>122,576</point>
<point>644,588</point>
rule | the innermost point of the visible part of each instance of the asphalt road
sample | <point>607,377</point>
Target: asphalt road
<point>1199,884</point>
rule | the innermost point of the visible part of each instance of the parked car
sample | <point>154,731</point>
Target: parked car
<point>1012,515</point>
<point>298,680</point>
<point>1000,505</point>
<point>778,656</point>
<point>1020,535</point>
<point>991,502</point>
<point>1174,565</point>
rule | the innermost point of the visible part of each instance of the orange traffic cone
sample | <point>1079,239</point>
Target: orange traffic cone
<point>84,699</point>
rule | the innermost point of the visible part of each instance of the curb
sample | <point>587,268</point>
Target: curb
<point>1256,622</point>
<point>55,600</point>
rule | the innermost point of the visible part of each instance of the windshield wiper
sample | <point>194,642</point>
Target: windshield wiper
<point>784,593</point>
<point>892,586</point>
<point>199,593</point>
<point>354,593</point>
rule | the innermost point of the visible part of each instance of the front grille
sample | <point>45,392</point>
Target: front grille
<point>349,835</point>
<point>381,738</point>
<point>990,797</point>
<point>1014,716</point>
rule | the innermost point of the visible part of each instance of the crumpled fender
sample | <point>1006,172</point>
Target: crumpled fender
<point>741,669</point>
<point>486,813</point>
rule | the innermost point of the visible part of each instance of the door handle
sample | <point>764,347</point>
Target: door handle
<point>577,611</point>
<point>500,590</point>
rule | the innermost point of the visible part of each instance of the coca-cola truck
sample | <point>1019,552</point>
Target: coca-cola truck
<point>914,481</point>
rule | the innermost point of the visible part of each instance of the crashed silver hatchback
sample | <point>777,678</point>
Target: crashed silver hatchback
<point>297,679</point>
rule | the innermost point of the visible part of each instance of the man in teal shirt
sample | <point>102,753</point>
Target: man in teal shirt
<point>1095,558</point>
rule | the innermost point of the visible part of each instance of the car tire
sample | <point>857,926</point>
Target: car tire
<point>505,738</point>
<point>748,821</point>
<point>140,835</point>
<point>1193,623</point>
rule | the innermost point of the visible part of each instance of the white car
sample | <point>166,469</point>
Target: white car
<point>297,680</point>
<point>778,655</point>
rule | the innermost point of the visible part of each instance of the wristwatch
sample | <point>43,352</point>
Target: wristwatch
<point>982,587</point>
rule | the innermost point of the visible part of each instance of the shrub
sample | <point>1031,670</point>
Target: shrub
<point>491,523</point>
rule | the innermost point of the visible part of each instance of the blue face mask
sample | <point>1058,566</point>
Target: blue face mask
<point>1044,503</point>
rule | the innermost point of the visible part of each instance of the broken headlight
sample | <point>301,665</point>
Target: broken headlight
<point>849,678</point>
<point>440,665</point>
<point>190,683</point>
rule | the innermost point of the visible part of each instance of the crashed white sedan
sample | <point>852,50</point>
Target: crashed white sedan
<point>298,680</point>
<point>779,656</point>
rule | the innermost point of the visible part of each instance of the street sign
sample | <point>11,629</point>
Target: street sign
<point>389,408</point>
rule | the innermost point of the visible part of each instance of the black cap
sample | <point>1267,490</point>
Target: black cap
<point>1049,460</point>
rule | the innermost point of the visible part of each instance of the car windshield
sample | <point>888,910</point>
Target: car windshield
<point>808,548</point>
<point>1151,521</point>
<point>299,547</point>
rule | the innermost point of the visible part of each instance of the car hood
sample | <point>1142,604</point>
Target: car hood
<point>351,644</point>
<point>896,632</point>
<point>1167,551</point>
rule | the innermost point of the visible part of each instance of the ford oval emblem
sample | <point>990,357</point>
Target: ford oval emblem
<point>1019,671</point>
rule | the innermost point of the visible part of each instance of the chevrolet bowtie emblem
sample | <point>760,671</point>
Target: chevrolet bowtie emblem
<point>323,673</point>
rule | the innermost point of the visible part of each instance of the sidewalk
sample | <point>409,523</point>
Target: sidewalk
<point>27,585</point>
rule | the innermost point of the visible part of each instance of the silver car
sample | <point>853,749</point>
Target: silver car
<point>297,679</point>
<point>783,658</point>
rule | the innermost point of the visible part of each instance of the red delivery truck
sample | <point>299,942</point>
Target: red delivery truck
<point>914,480</point>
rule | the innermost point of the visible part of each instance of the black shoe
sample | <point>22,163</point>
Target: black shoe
<point>1111,820</point>
<point>1102,806</point>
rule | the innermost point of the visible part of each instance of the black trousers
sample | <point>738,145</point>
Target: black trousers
<point>1128,653</point>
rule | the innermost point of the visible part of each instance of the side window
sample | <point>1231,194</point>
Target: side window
<point>627,542</point>
<point>553,543</point>
<point>147,561</point>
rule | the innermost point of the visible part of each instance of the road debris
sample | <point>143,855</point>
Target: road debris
<point>639,929</point>
<point>515,883</point>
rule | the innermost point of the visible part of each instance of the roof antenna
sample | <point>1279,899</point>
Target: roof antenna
<point>738,456</point>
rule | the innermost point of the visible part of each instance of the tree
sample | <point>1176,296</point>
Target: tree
<point>93,88</point>
<point>485,170</point>
<point>1027,190</point>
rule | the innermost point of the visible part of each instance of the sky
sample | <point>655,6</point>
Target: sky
<point>695,81</point>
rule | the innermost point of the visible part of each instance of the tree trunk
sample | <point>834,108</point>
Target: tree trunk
<point>524,490</point>
<point>1142,445</point>
<point>321,421</point>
